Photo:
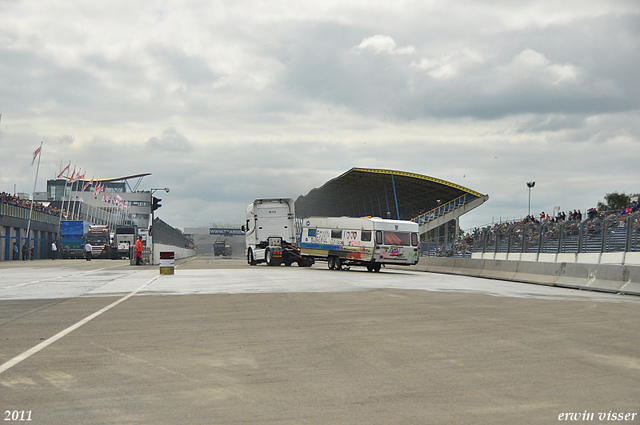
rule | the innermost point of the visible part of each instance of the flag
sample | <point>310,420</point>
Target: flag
<point>87,184</point>
<point>35,154</point>
<point>65,169</point>
<point>73,175</point>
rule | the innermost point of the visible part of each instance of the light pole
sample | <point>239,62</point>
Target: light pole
<point>155,204</point>
<point>530,186</point>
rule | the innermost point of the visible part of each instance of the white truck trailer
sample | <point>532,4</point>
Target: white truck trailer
<point>368,242</point>
<point>270,234</point>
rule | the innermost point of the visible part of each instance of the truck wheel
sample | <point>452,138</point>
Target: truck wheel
<point>331,263</point>
<point>376,268</point>
<point>337,263</point>
<point>250,259</point>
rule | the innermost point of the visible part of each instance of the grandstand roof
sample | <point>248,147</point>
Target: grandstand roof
<point>373,192</point>
<point>114,179</point>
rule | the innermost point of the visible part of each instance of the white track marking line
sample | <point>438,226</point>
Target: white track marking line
<point>57,277</point>
<point>61,334</point>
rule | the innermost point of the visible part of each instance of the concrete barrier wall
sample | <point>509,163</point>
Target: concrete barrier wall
<point>614,258</point>
<point>179,252</point>
<point>632,258</point>
<point>613,278</point>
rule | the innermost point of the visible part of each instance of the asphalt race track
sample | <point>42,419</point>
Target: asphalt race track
<point>219,342</point>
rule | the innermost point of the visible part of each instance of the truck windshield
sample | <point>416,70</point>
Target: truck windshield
<point>397,238</point>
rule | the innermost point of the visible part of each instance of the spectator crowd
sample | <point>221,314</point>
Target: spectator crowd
<point>463,245</point>
<point>6,198</point>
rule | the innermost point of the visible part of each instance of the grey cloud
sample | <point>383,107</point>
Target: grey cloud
<point>170,141</point>
<point>487,79</point>
<point>64,140</point>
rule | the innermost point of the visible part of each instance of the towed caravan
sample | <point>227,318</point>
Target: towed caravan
<point>368,242</point>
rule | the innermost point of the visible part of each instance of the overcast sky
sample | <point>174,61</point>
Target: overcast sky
<point>224,102</point>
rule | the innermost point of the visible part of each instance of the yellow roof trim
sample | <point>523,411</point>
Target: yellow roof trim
<point>420,177</point>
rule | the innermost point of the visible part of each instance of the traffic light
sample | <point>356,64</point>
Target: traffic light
<point>155,204</point>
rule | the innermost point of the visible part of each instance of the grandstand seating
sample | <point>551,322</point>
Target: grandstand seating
<point>600,234</point>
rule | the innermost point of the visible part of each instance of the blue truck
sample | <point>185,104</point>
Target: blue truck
<point>72,237</point>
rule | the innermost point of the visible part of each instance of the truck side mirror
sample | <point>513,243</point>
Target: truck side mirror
<point>242,228</point>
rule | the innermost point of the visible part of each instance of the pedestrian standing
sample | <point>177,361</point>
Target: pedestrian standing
<point>16,251</point>
<point>54,250</point>
<point>139,247</point>
<point>25,250</point>
<point>87,251</point>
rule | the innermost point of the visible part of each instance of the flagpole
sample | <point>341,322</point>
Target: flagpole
<point>77,214</point>
<point>33,195</point>
<point>70,191</point>
<point>62,202</point>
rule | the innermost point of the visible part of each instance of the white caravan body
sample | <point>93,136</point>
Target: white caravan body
<point>368,242</point>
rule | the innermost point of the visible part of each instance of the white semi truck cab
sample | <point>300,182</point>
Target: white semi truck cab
<point>270,234</point>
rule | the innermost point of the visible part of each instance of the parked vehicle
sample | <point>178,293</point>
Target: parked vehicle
<point>125,238</point>
<point>220,248</point>
<point>99,238</point>
<point>72,237</point>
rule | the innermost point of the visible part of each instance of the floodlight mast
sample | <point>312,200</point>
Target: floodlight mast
<point>530,186</point>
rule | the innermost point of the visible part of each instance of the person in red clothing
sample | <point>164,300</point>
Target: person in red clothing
<point>138,249</point>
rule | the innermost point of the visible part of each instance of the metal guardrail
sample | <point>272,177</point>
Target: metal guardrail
<point>600,234</point>
<point>443,209</point>
<point>162,233</point>
<point>16,211</point>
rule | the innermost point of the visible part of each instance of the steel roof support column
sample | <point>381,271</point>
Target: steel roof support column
<point>395,195</point>
<point>379,204</point>
<point>386,197</point>
<point>373,211</point>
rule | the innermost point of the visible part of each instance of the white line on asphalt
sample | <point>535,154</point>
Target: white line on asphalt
<point>54,278</point>
<point>48,342</point>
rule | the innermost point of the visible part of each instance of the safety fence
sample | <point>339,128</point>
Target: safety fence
<point>16,211</point>
<point>599,234</point>
<point>162,233</point>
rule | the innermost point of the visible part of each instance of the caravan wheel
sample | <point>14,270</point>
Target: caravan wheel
<point>337,263</point>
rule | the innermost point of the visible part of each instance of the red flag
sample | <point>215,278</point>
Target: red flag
<point>35,154</point>
<point>65,169</point>
<point>72,175</point>
<point>87,184</point>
